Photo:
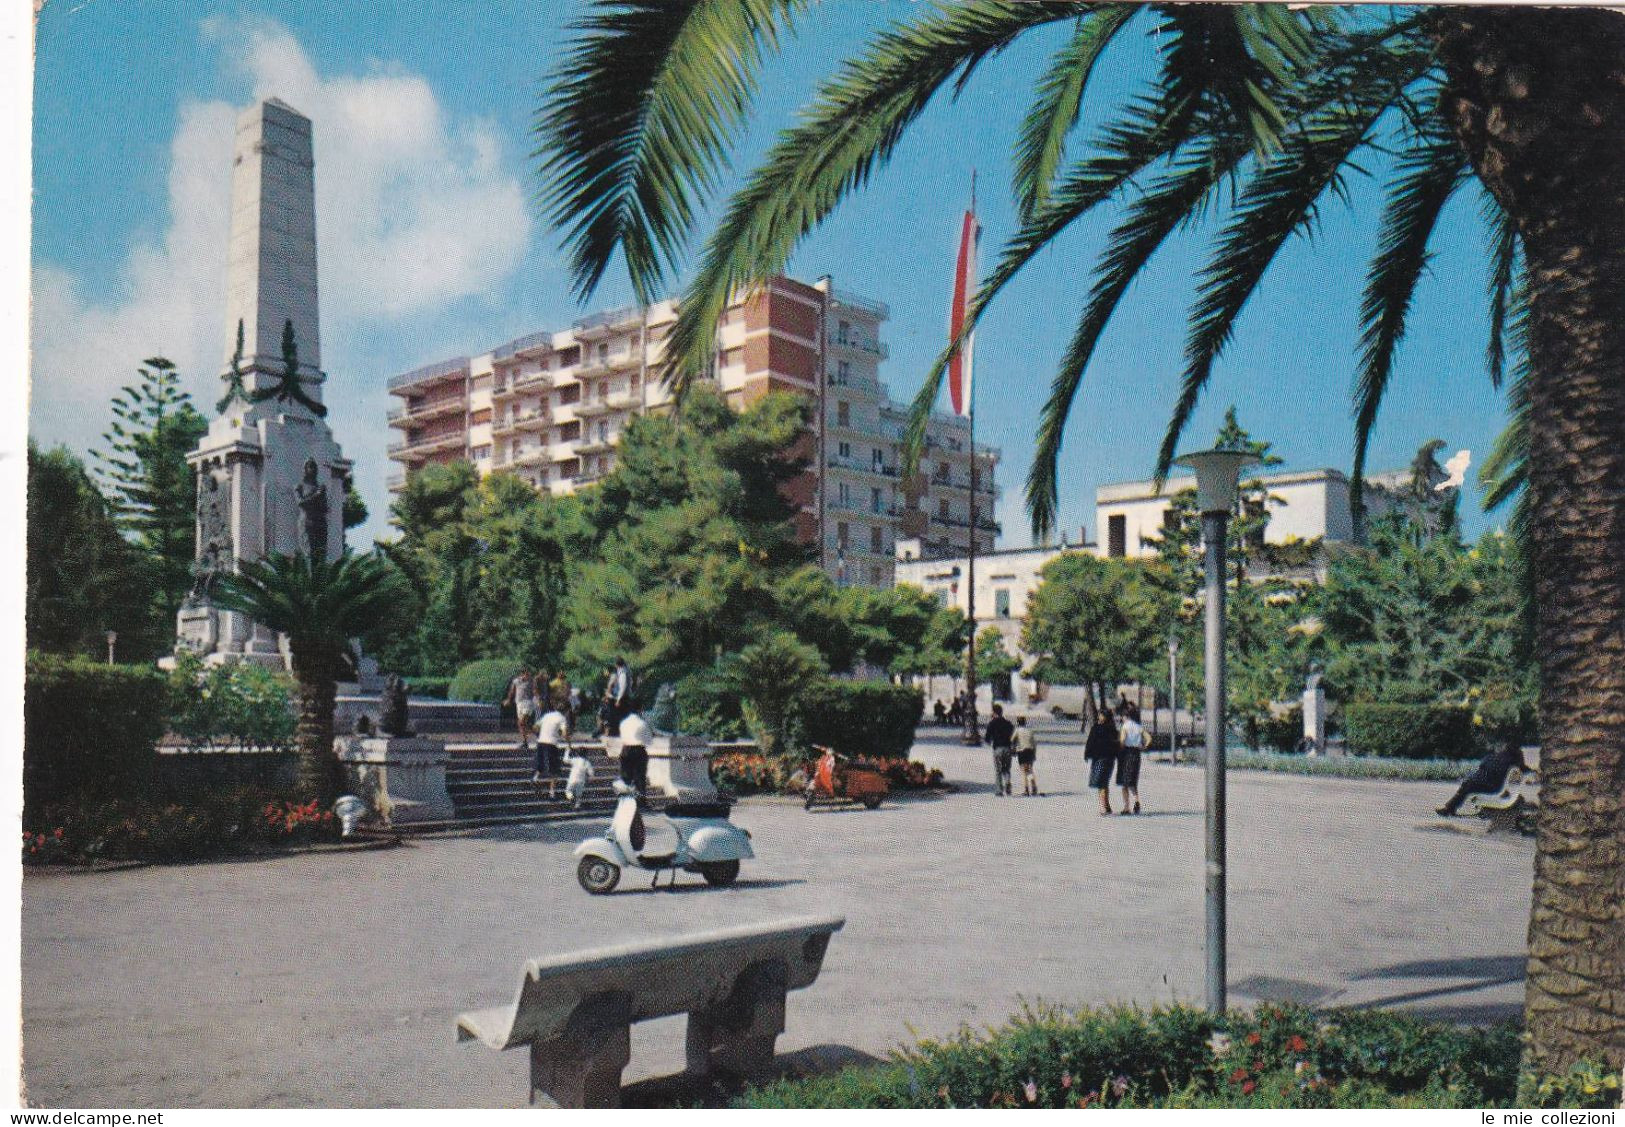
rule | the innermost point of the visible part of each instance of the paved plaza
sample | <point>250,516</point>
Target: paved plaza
<point>334,979</point>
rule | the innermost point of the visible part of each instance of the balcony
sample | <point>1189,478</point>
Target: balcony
<point>531,344</point>
<point>858,466</point>
<point>596,445</point>
<point>587,409</point>
<point>860,343</point>
<point>601,325</point>
<point>534,421</point>
<point>982,525</point>
<point>877,309</point>
<point>534,456</point>
<point>429,373</point>
<point>530,381</point>
<point>413,449</point>
<point>835,504</point>
<point>410,414</point>
<point>395,482</point>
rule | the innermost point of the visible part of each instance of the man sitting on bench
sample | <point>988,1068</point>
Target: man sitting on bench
<point>1489,777</point>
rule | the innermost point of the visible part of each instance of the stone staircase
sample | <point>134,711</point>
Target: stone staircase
<point>488,779</point>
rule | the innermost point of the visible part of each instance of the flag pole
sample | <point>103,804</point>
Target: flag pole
<point>973,736</point>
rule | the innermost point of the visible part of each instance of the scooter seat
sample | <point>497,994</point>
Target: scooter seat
<point>696,810</point>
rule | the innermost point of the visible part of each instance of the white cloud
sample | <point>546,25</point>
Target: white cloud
<point>414,210</point>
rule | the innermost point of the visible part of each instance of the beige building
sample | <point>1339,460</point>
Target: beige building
<point>550,407</point>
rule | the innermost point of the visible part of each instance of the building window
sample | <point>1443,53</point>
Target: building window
<point>877,460</point>
<point>845,449</point>
<point>942,471</point>
<point>603,354</point>
<point>841,533</point>
<point>843,492</point>
<point>569,356</point>
<point>603,431</point>
<point>877,575</point>
<point>482,453</point>
<point>570,431</point>
<point>1117,536</point>
<point>876,540</point>
<point>843,331</point>
<point>843,413</point>
<point>843,373</point>
<point>1001,602</point>
<point>569,393</point>
<point>942,508</point>
<point>875,502</point>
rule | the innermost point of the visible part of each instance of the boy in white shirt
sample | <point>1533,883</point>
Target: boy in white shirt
<point>553,731</point>
<point>1128,761</point>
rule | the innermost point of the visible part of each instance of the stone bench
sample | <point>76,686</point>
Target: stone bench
<point>576,1011</point>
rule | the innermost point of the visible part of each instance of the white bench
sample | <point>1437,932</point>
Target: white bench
<point>1503,809</point>
<point>576,1011</point>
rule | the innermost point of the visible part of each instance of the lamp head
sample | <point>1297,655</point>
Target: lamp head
<point>1217,474</point>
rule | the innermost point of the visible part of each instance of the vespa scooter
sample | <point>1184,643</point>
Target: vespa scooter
<point>695,836</point>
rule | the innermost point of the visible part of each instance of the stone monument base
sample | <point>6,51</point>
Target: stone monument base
<point>402,779</point>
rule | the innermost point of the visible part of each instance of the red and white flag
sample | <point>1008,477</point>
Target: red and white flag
<point>959,367</point>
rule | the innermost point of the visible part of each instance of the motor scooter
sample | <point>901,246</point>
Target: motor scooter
<point>695,836</point>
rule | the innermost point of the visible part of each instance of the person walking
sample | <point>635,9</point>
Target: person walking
<point>1026,745</point>
<point>558,693</point>
<point>1100,751</point>
<point>607,720</point>
<point>522,695</point>
<point>635,736</point>
<point>1132,737</point>
<point>1000,733</point>
<point>550,738</point>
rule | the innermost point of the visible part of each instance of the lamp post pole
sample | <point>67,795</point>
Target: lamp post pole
<point>1173,698</point>
<point>112,640</point>
<point>1217,472</point>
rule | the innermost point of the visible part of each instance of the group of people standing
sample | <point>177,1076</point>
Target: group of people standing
<point>559,703</point>
<point>1115,745</point>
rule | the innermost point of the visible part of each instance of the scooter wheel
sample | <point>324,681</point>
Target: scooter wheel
<point>597,875</point>
<point>807,803</point>
<point>720,873</point>
<point>871,801</point>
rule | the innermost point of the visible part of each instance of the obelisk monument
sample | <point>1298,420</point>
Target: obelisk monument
<point>271,479</point>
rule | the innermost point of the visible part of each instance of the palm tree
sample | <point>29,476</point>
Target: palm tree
<point>320,606</point>
<point>1261,114</point>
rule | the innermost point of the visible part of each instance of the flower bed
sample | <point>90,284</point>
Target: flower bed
<point>751,772</point>
<point>241,820</point>
<point>1275,1056</point>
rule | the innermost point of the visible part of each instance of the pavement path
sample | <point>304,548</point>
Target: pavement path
<point>334,979</point>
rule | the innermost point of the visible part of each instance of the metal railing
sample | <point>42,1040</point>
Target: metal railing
<point>454,367</point>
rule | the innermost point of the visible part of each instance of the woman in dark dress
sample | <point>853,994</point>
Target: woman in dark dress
<point>1101,751</point>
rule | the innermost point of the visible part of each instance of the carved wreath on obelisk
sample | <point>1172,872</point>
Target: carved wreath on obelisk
<point>312,497</point>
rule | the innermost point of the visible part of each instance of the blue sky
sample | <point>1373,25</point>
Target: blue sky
<point>432,247</point>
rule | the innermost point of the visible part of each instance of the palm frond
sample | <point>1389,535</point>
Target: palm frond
<point>1042,143</point>
<point>637,123</point>
<point>1150,131</point>
<point>318,604</point>
<point>1503,264</point>
<point>852,126</point>
<point>1505,471</point>
<point>1428,174</point>
<point>1279,201</point>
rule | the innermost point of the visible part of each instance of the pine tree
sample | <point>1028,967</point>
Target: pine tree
<point>151,490</point>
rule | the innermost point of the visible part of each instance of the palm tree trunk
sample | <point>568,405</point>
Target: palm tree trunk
<point>318,769</point>
<point>1538,101</point>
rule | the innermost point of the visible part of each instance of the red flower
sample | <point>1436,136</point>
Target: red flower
<point>1238,1075</point>
<point>1253,1038</point>
<point>1247,1088</point>
<point>1297,1044</point>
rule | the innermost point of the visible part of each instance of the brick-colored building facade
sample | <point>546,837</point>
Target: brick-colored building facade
<point>550,408</point>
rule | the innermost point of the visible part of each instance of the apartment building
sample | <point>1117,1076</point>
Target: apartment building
<point>550,408</point>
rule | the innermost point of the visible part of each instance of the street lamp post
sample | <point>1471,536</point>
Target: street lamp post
<point>1217,472</point>
<point>112,640</point>
<point>1173,698</point>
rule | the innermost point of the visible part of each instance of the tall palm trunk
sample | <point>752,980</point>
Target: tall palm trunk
<point>1538,101</point>
<point>318,770</point>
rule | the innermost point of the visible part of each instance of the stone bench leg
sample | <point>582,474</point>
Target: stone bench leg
<point>582,1066</point>
<point>737,1036</point>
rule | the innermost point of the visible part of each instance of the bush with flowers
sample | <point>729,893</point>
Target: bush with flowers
<point>226,822</point>
<point>1272,1057</point>
<point>751,772</point>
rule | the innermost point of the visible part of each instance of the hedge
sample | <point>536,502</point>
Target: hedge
<point>874,718</point>
<point>1410,731</point>
<point>434,688</point>
<point>1275,1056</point>
<point>483,681</point>
<point>89,729</point>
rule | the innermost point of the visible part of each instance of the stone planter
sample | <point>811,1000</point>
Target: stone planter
<point>401,779</point>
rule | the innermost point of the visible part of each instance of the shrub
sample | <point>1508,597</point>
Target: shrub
<point>872,718</point>
<point>1281,731</point>
<point>1410,731</point>
<point>1344,766</point>
<point>434,688</point>
<point>1277,1056</point>
<point>89,729</point>
<point>706,707</point>
<point>239,705</point>
<point>224,822</point>
<point>483,681</point>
